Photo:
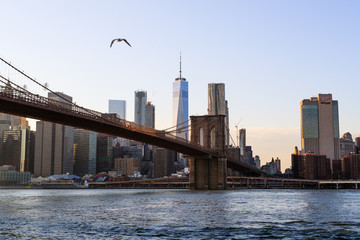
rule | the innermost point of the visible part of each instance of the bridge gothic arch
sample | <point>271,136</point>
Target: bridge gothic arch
<point>208,172</point>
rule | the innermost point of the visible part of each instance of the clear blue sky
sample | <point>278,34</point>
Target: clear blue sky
<point>269,54</point>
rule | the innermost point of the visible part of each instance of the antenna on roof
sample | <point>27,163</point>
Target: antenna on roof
<point>180,65</point>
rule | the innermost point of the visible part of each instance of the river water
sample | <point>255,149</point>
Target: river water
<point>179,214</point>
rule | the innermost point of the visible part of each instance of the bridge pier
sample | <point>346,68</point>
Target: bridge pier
<point>208,172</point>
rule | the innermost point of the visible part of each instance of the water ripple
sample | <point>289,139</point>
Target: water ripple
<point>179,214</point>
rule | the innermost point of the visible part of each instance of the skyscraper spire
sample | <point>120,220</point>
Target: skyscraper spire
<point>180,65</point>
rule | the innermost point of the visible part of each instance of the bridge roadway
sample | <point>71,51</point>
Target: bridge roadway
<point>23,103</point>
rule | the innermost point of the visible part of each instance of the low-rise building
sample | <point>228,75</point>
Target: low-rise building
<point>10,177</point>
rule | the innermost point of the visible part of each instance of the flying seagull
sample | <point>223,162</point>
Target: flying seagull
<point>119,40</point>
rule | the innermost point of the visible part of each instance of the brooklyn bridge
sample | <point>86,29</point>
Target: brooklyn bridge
<point>206,149</point>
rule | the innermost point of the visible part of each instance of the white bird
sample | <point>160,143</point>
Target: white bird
<point>119,40</point>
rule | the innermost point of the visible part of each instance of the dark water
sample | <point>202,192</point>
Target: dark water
<point>179,214</point>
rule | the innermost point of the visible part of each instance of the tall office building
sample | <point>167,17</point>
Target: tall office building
<point>118,107</point>
<point>150,115</point>
<point>4,125</point>
<point>217,105</point>
<point>181,106</point>
<point>54,144</point>
<point>216,99</point>
<point>85,152</point>
<point>242,141</point>
<point>140,101</point>
<point>104,153</point>
<point>16,148</point>
<point>163,162</point>
<point>320,126</point>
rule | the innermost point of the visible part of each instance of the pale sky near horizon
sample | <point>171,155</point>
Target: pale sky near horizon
<point>269,54</point>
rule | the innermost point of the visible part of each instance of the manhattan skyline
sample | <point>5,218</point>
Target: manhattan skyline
<point>270,55</point>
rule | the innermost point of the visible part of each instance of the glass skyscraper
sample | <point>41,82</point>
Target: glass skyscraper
<point>118,107</point>
<point>180,107</point>
<point>320,126</point>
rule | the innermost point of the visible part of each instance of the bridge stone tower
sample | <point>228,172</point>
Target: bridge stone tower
<point>208,172</point>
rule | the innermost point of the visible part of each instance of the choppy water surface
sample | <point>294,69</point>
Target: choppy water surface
<point>179,214</point>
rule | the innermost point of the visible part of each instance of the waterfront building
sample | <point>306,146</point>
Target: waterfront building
<point>320,126</point>
<point>104,153</point>
<point>128,165</point>
<point>10,177</point>
<point>310,166</point>
<point>84,152</point>
<point>16,148</point>
<point>149,115</point>
<point>140,101</point>
<point>350,165</point>
<point>118,107</point>
<point>347,145</point>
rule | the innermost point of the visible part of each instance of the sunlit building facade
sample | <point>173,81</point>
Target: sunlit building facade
<point>217,105</point>
<point>320,126</point>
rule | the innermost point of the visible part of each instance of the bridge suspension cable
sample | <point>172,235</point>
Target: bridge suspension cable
<point>32,79</point>
<point>176,125</point>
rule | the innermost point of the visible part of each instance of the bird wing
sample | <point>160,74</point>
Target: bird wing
<point>127,42</point>
<point>112,42</point>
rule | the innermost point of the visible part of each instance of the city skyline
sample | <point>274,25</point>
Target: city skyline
<point>270,55</point>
